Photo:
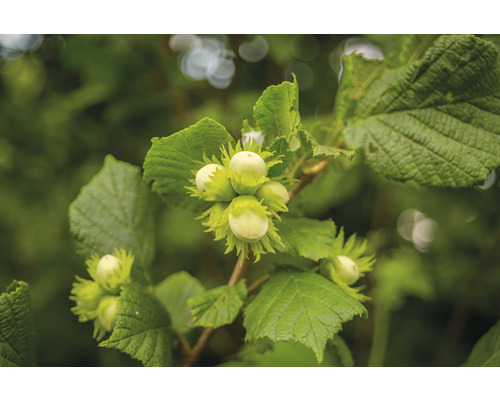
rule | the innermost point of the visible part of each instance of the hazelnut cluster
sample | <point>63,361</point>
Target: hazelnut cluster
<point>245,199</point>
<point>97,298</point>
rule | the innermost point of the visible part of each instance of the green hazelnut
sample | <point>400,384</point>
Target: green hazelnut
<point>107,267</point>
<point>205,175</point>
<point>248,219</point>
<point>107,312</point>
<point>248,163</point>
<point>347,270</point>
<point>271,188</point>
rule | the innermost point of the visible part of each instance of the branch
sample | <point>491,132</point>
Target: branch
<point>308,177</point>
<point>194,354</point>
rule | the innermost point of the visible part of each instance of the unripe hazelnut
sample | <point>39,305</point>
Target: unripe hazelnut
<point>107,267</point>
<point>204,175</point>
<point>347,270</point>
<point>108,309</point>
<point>273,187</point>
<point>248,219</point>
<point>248,163</point>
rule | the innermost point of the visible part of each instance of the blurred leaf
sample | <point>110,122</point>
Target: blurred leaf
<point>277,111</point>
<point>300,306</point>
<point>17,339</point>
<point>304,237</point>
<point>486,352</point>
<point>142,328</point>
<point>113,211</point>
<point>291,354</point>
<point>218,306</point>
<point>399,275</point>
<point>174,292</point>
<point>172,161</point>
<point>436,121</point>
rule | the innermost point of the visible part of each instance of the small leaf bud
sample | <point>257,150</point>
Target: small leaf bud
<point>107,267</point>
<point>205,174</point>
<point>257,136</point>
<point>107,311</point>
<point>248,219</point>
<point>347,270</point>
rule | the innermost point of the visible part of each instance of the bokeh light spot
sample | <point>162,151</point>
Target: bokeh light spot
<point>254,50</point>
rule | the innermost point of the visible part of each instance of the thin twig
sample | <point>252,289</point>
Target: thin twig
<point>194,355</point>
<point>257,283</point>
<point>308,177</point>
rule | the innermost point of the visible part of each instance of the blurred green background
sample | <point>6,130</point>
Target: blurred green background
<point>67,101</point>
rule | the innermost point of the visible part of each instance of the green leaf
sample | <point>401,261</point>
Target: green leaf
<point>435,121</point>
<point>300,306</point>
<point>173,293</point>
<point>219,306</point>
<point>142,328</point>
<point>170,162</point>
<point>486,352</point>
<point>280,148</point>
<point>113,212</point>
<point>277,111</point>
<point>290,354</point>
<point>309,143</point>
<point>304,237</point>
<point>17,339</point>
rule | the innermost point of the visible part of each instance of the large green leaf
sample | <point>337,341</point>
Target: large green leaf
<point>304,237</point>
<point>436,121</point>
<point>171,160</point>
<point>486,352</point>
<point>17,339</point>
<point>277,111</point>
<point>301,306</point>
<point>113,211</point>
<point>173,293</point>
<point>142,328</point>
<point>218,306</point>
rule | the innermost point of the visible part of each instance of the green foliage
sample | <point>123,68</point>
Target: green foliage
<point>277,113</point>
<point>173,292</point>
<point>17,339</point>
<point>290,354</point>
<point>170,162</point>
<point>427,112</point>
<point>218,306</point>
<point>304,237</point>
<point>300,306</point>
<point>401,275</point>
<point>113,211</point>
<point>434,121</point>
<point>142,328</point>
<point>486,352</point>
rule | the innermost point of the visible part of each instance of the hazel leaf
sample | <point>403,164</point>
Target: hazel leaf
<point>277,111</point>
<point>173,293</point>
<point>486,352</point>
<point>306,237</point>
<point>171,160</point>
<point>17,339</point>
<point>142,328</point>
<point>301,306</point>
<point>218,306</point>
<point>435,121</point>
<point>113,211</point>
